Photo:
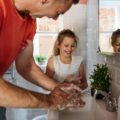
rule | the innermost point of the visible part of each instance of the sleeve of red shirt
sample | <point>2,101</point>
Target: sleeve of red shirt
<point>32,30</point>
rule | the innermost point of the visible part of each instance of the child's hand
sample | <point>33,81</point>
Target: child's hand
<point>73,79</point>
<point>70,78</point>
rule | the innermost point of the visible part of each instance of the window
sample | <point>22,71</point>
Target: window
<point>46,33</point>
<point>108,22</point>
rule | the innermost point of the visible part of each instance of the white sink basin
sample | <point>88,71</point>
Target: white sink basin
<point>118,117</point>
<point>94,110</point>
<point>101,113</point>
<point>85,113</point>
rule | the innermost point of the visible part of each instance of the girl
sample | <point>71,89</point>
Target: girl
<point>63,66</point>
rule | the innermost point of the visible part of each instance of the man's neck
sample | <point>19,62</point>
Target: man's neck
<point>24,13</point>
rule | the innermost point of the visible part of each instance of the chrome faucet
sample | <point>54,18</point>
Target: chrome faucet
<point>112,104</point>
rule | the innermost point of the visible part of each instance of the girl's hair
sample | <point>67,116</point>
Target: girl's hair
<point>64,33</point>
<point>114,36</point>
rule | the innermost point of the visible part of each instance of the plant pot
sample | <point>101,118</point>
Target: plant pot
<point>98,96</point>
<point>92,92</point>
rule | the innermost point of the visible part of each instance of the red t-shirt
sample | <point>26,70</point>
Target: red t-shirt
<point>14,31</point>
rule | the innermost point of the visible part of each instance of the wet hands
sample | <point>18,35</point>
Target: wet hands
<point>58,97</point>
<point>66,95</point>
<point>74,99</point>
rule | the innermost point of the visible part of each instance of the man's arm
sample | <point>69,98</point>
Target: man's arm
<point>26,66</point>
<point>13,96</point>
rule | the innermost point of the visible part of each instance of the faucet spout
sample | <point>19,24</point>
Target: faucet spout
<point>107,97</point>
<point>111,102</point>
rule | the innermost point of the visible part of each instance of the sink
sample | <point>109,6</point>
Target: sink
<point>101,113</point>
<point>85,113</point>
<point>118,117</point>
<point>93,110</point>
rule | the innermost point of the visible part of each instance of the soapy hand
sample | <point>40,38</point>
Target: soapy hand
<point>66,95</point>
<point>74,99</point>
<point>57,97</point>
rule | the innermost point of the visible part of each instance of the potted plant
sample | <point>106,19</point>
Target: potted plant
<point>41,59</point>
<point>100,78</point>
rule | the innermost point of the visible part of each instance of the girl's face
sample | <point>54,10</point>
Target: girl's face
<point>117,45</point>
<point>67,46</point>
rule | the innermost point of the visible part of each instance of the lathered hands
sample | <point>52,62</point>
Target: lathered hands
<point>74,99</point>
<point>57,97</point>
<point>66,95</point>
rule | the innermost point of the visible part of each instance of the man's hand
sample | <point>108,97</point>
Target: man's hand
<point>58,97</point>
<point>65,95</point>
<point>74,98</point>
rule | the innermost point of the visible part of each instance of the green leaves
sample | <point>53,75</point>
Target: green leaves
<point>40,58</point>
<point>100,77</point>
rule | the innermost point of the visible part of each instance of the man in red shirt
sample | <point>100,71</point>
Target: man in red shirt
<point>17,29</point>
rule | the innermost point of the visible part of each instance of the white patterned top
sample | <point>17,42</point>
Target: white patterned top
<point>63,70</point>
